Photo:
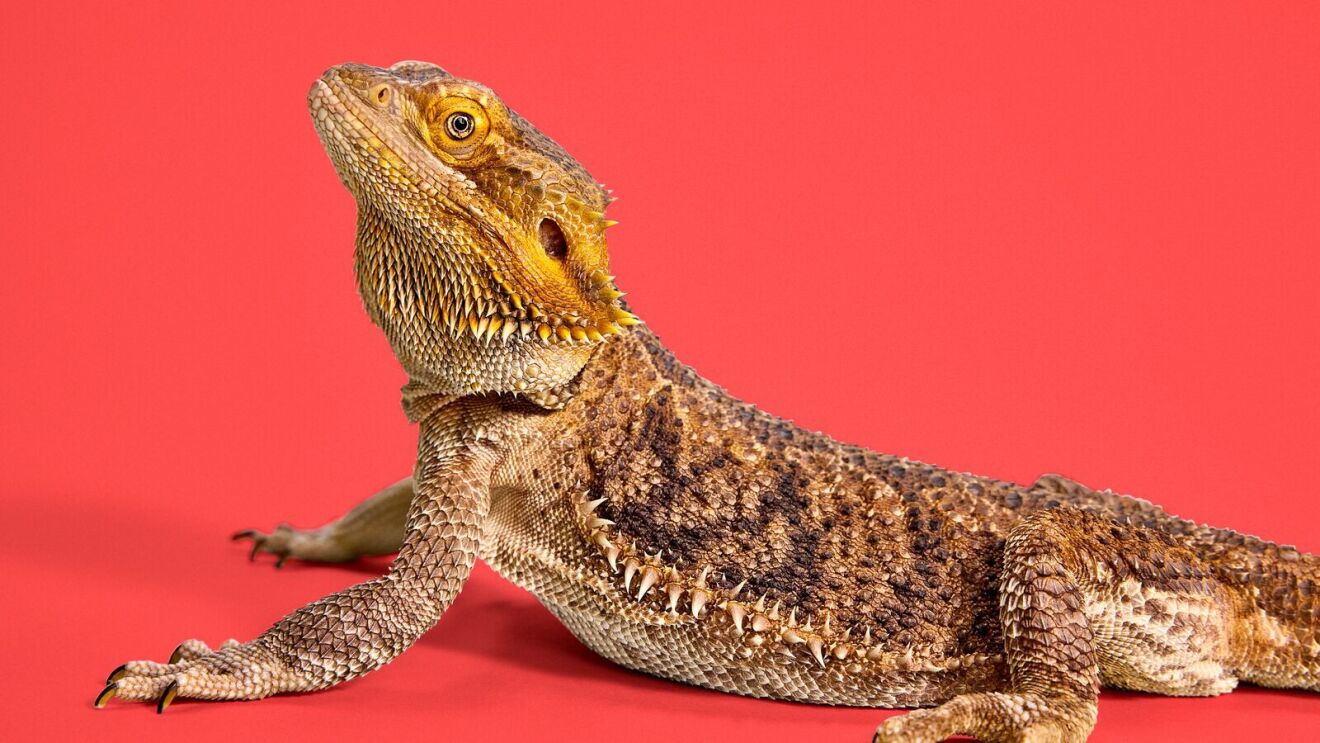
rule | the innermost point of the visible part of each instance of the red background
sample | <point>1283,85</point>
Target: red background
<point>1012,240</point>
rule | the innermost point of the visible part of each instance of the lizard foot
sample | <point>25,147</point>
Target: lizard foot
<point>234,671</point>
<point>992,718</point>
<point>284,542</point>
<point>331,543</point>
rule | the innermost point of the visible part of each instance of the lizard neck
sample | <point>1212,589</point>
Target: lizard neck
<point>447,344</point>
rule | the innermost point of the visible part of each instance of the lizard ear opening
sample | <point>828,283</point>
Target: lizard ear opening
<point>553,240</point>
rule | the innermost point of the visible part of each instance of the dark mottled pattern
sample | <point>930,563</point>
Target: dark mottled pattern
<point>903,548</point>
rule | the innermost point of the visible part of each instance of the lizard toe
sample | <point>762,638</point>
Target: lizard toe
<point>141,668</point>
<point>167,696</point>
<point>106,694</point>
<point>190,650</point>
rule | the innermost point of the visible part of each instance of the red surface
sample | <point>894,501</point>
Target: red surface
<point>1010,240</point>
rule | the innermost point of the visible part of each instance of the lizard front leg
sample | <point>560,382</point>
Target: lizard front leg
<point>357,630</point>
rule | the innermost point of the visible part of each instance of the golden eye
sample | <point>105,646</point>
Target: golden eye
<point>460,125</point>
<point>456,127</point>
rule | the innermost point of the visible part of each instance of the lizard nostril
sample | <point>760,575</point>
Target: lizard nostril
<point>381,94</point>
<point>553,240</point>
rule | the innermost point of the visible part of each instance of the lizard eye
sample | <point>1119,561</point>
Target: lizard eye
<point>456,126</point>
<point>460,125</point>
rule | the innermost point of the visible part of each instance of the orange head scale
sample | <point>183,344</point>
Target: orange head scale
<point>473,226</point>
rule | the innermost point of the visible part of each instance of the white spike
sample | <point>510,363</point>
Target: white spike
<point>738,614</point>
<point>649,577</point>
<point>699,598</point>
<point>629,570</point>
<point>675,592</point>
<point>817,648</point>
<point>738,589</point>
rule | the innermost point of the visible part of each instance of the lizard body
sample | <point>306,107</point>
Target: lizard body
<point>680,532</point>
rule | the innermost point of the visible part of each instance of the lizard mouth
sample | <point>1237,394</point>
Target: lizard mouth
<point>357,144</point>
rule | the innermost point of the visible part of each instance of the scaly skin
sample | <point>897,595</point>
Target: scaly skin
<point>680,532</point>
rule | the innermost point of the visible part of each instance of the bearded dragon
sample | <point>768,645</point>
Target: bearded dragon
<point>680,532</point>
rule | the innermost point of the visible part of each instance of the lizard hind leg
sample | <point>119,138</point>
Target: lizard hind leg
<point>1050,651</point>
<point>374,527</point>
<point>1083,597</point>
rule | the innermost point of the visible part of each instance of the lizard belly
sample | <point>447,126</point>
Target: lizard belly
<point>656,620</point>
<point>712,654</point>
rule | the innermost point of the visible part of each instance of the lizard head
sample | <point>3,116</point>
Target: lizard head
<point>481,244</point>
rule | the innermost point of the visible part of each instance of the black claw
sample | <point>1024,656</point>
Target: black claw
<point>246,533</point>
<point>256,547</point>
<point>177,655</point>
<point>116,674</point>
<point>171,692</point>
<point>106,694</point>
<point>279,563</point>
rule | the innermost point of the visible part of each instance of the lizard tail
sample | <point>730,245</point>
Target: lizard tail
<point>1279,588</point>
<point>1274,623</point>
